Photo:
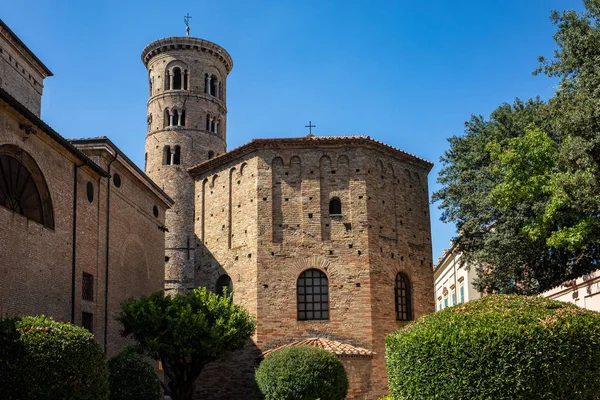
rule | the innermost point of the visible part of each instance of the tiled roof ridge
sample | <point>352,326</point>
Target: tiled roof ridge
<point>333,346</point>
<point>255,143</point>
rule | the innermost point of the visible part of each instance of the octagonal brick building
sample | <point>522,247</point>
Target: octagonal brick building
<point>324,239</point>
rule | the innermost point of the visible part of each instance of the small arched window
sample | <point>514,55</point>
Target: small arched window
<point>167,155</point>
<point>335,206</point>
<point>206,83</point>
<point>167,80</point>
<point>185,79</point>
<point>150,84</point>
<point>177,78</point>
<point>213,85</point>
<point>212,125</point>
<point>403,298</point>
<point>175,118</point>
<point>23,189</point>
<point>166,118</point>
<point>182,118</point>
<point>223,285</point>
<point>313,295</point>
<point>208,122</point>
<point>176,155</point>
<point>211,154</point>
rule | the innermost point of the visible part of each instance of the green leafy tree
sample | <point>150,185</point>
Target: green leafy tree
<point>523,187</point>
<point>185,332</point>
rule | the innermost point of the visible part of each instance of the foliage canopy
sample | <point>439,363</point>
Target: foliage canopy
<point>185,332</point>
<point>499,347</point>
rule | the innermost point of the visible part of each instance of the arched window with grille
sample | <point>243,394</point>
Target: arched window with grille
<point>403,298</point>
<point>23,188</point>
<point>313,295</point>
<point>223,284</point>
<point>177,155</point>
<point>335,206</point>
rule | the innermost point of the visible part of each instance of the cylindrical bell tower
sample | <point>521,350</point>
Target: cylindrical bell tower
<point>187,124</point>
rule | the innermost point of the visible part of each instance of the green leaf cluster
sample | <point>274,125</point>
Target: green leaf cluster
<point>44,359</point>
<point>301,373</point>
<point>501,347</point>
<point>132,378</point>
<point>185,332</point>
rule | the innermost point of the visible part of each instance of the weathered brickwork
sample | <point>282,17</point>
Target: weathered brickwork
<point>21,72</point>
<point>42,264</point>
<point>186,111</point>
<point>382,229</point>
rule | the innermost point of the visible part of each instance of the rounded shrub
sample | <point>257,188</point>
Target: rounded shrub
<point>499,347</point>
<point>132,378</point>
<point>301,373</point>
<point>58,360</point>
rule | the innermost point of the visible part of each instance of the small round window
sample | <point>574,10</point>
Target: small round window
<point>90,191</point>
<point>117,180</point>
<point>155,211</point>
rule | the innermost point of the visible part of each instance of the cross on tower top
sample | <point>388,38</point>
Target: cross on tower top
<point>310,126</point>
<point>186,20</point>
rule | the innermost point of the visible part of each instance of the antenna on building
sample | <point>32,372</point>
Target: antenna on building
<point>186,20</point>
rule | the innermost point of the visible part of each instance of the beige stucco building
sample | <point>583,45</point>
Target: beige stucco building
<point>79,222</point>
<point>583,291</point>
<point>453,281</point>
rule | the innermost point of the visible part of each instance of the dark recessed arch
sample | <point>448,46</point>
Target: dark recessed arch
<point>224,284</point>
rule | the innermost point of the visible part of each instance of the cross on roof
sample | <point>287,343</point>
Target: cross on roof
<point>310,126</point>
<point>186,20</point>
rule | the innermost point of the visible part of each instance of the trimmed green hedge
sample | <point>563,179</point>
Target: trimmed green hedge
<point>44,359</point>
<point>301,373</point>
<point>132,378</point>
<point>499,347</point>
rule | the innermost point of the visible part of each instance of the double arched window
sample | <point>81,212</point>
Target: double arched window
<point>173,117</point>
<point>212,124</point>
<point>313,295</point>
<point>176,77</point>
<point>171,157</point>
<point>23,188</point>
<point>212,86</point>
<point>402,291</point>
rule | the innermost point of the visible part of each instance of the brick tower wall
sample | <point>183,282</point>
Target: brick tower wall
<point>196,140</point>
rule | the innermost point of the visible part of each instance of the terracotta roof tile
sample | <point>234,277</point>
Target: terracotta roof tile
<point>337,348</point>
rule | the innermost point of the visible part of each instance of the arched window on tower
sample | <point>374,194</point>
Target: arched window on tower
<point>206,83</point>
<point>211,154</point>
<point>208,122</point>
<point>224,285</point>
<point>175,118</point>
<point>217,126</point>
<point>167,80</point>
<point>212,125</point>
<point>213,85</point>
<point>185,80</point>
<point>23,188</point>
<point>335,206</point>
<point>176,78</point>
<point>182,118</point>
<point>313,295</point>
<point>402,294</point>
<point>166,118</point>
<point>167,155</point>
<point>150,84</point>
<point>177,155</point>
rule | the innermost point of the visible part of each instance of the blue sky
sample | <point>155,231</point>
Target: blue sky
<point>408,73</point>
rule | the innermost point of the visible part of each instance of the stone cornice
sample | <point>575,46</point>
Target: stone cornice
<point>186,43</point>
<point>308,142</point>
<point>13,39</point>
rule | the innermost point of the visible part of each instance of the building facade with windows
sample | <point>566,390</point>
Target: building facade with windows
<point>78,220</point>
<point>323,239</point>
<point>453,281</point>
